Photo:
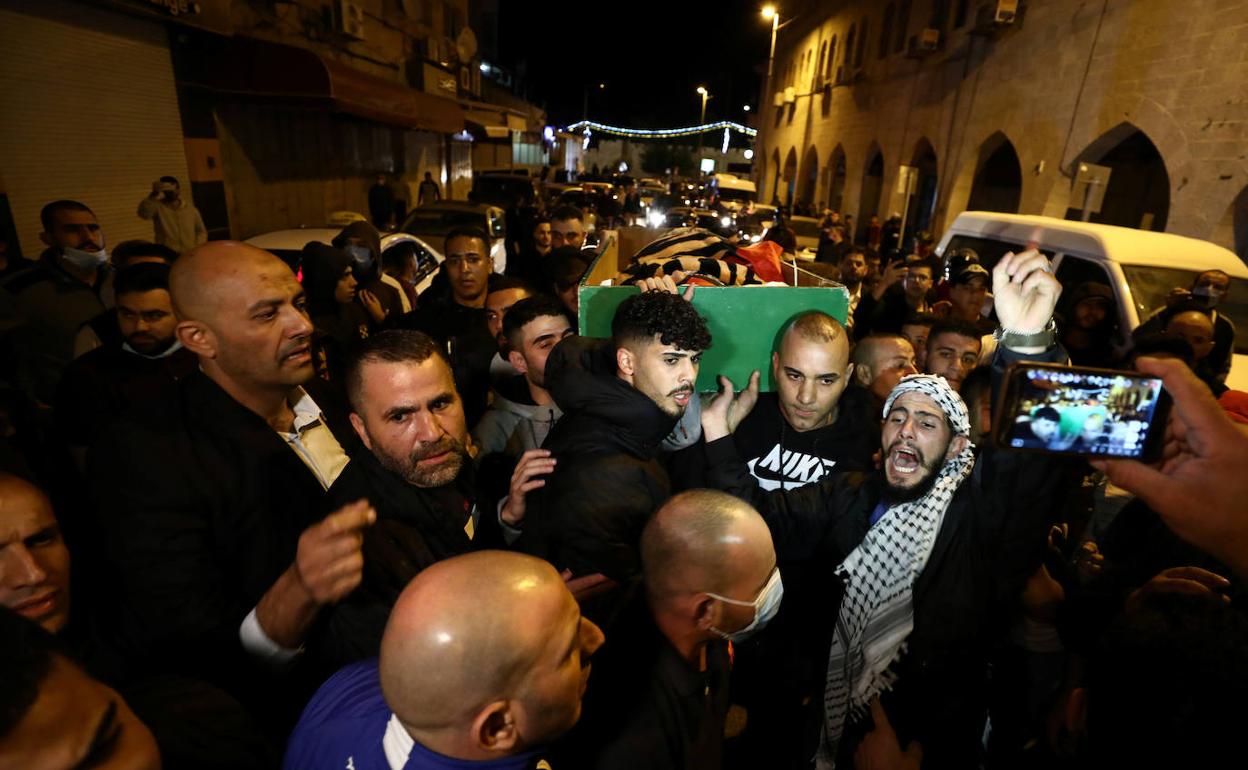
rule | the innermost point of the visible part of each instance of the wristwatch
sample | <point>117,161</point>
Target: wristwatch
<point>1015,339</point>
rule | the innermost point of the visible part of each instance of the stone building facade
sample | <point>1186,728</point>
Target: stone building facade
<point>997,113</point>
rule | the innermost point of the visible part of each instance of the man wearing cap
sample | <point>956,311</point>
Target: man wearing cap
<point>932,550</point>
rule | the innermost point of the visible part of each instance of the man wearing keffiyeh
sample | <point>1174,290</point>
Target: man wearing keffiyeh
<point>917,563</point>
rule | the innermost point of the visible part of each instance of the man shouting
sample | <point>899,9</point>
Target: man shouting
<point>933,550</point>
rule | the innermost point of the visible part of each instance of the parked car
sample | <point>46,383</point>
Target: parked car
<point>433,221</point>
<point>288,245</point>
<point>502,188</point>
<point>1140,266</point>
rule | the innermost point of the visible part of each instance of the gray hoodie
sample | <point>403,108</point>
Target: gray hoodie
<point>514,424</point>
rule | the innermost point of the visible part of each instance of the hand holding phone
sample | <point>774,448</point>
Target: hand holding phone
<point>1080,411</point>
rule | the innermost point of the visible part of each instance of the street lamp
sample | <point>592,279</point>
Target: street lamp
<point>772,14</point>
<point>705,95</point>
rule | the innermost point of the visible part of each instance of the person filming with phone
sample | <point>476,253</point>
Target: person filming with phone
<point>933,549</point>
<point>178,223</point>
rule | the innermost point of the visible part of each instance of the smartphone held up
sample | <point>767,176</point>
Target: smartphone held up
<point>1082,411</point>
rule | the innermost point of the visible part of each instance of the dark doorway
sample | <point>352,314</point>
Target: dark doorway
<point>998,184</point>
<point>872,185</point>
<point>836,188</point>
<point>1138,194</point>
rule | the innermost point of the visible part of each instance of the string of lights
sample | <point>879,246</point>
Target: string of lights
<point>662,133</point>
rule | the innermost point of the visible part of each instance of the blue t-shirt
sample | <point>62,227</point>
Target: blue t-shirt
<point>343,726</point>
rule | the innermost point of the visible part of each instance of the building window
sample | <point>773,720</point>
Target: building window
<point>863,37</point>
<point>823,53</point>
<point>831,58</point>
<point>959,16</point>
<point>886,29</point>
<point>940,14</point>
<point>849,45</point>
<point>903,25</point>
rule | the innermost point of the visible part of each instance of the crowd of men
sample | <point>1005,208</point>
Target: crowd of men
<point>251,522</point>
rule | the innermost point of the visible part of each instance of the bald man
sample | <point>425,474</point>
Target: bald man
<point>660,695</point>
<point>34,562</point>
<point>488,687</point>
<point>810,425</point>
<point>1195,326</point>
<point>213,497</point>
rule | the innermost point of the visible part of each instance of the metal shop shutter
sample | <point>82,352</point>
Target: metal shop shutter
<point>89,113</point>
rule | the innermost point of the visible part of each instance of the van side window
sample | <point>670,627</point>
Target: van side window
<point>1075,270</point>
<point>990,250</point>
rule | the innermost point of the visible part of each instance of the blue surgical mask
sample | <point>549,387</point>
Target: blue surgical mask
<point>765,605</point>
<point>362,256</point>
<point>84,260</point>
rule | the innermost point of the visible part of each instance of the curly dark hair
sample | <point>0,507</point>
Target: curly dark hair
<point>644,315</point>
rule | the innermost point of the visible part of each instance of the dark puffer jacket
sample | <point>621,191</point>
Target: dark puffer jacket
<point>589,516</point>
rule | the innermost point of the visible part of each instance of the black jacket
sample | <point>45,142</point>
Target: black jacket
<point>415,528</point>
<point>648,707</point>
<point>992,539</point>
<point>202,504</point>
<point>465,336</point>
<point>589,516</point>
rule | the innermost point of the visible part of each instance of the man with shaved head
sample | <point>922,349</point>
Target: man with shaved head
<point>213,497</point>
<point>489,687</point>
<point>660,696</point>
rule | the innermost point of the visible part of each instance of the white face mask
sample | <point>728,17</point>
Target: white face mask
<point>765,605</point>
<point>1210,294</point>
<point>84,260</point>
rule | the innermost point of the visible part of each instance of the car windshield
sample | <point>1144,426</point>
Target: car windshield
<point>1150,285</point>
<point>729,194</point>
<point>440,221</point>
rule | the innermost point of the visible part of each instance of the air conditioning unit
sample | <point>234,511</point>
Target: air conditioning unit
<point>777,100</point>
<point>350,18</point>
<point>1005,11</point>
<point>790,95</point>
<point>924,43</point>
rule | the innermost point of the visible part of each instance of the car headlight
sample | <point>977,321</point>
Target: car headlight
<point>725,221</point>
<point>756,237</point>
<point>656,219</point>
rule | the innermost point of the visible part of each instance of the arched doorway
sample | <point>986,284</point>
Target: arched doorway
<point>998,184</point>
<point>872,186</point>
<point>1232,230</point>
<point>810,177</point>
<point>1138,194</point>
<point>790,176</point>
<point>775,176</point>
<point>836,182</point>
<point>922,204</point>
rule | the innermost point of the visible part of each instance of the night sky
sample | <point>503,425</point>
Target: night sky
<point>652,56</point>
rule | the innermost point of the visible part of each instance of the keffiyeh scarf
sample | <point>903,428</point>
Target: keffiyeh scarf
<point>877,611</point>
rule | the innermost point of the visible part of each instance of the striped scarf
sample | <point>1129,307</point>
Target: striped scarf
<point>877,610</point>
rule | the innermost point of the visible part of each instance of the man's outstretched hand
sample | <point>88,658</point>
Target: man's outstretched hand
<point>1025,292</point>
<point>726,410</point>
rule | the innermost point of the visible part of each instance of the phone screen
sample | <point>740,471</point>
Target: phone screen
<point>1088,412</point>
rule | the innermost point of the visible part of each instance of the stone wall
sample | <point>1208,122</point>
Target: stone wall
<point>1068,81</point>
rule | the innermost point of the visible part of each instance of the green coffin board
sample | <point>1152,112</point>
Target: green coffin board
<point>744,323</point>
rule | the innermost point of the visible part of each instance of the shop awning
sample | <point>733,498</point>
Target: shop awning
<point>496,123</point>
<point>262,68</point>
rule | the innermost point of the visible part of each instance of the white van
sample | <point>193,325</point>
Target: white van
<point>1142,266</point>
<point>734,192</point>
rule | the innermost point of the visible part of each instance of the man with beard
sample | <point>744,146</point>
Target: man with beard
<point>417,474</point>
<point>48,301</point>
<point>100,385</point>
<point>933,549</point>
<point>620,399</point>
<point>1209,288</point>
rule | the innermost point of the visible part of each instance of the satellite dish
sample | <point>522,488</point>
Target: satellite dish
<point>466,44</point>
